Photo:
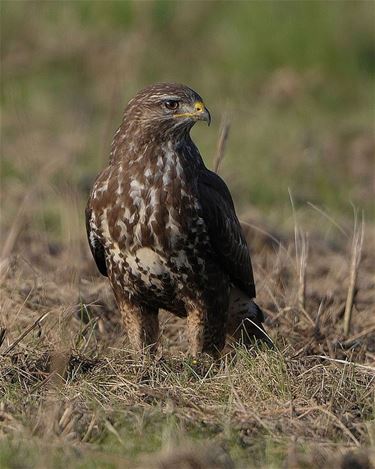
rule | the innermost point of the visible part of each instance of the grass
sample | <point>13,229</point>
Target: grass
<point>248,406</point>
<point>295,82</point>
<point>74,394</point>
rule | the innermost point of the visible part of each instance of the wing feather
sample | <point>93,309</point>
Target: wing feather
<point>225,231</point>
<point>96,246</point>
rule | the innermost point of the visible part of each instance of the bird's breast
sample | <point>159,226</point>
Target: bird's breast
<point>149,203</point>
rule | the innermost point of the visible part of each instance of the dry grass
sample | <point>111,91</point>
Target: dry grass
<point>70,385</point>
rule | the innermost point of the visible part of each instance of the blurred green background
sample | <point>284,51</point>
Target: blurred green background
<point>294,78</point>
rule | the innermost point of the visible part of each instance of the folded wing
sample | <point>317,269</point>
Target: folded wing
<point>96,246</point>
<point>225,231</point>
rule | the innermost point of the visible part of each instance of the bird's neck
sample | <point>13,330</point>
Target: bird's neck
<point>139,147</point>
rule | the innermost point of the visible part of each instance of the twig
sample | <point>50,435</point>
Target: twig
<point>301,248</point>
<point>15,228</point>
<point>334,222</point>
<point>24,334</point>
<point>223,137</point>
<point>43,174</point>
<point>266,233</point>
<point>89,429</point>
<point>261,330</point>
<point>334,417</point>
<point>112,429</point>
<point>302,264</point>
<point>42,383</point>
<point>3,332</point>
<point>344,362</point>
<point>361,334</point>
<point>357,243</point>
<point>317,320</point>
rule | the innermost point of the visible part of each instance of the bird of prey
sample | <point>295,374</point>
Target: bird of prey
<point>163,228</point>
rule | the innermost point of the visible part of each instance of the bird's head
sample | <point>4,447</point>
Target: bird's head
<point>167,107</point>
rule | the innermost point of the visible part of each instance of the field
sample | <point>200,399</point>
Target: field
<point>295,82</point>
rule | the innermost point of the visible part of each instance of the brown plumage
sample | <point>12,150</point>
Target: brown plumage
<point>163,228</point>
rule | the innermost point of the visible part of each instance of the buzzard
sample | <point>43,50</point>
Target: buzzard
<point>163,228</point>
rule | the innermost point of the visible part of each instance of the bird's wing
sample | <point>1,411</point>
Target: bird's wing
<point>96,246</point>
<point>224,231</point>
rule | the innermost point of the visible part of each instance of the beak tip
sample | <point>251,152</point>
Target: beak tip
<point>208,118</point>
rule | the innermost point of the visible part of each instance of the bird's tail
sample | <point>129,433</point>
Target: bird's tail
<point>245,320</point>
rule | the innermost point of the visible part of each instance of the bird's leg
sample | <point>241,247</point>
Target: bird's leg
<point>214,332</point>
<point>195,331</point>
<point>142,327</point>
<point>237,313</point>
<point>206,331</point>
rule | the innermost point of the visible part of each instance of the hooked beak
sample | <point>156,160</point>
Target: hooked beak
<point>201,113</point>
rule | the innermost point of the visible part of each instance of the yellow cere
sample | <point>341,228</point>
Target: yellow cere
<point>198,106</point>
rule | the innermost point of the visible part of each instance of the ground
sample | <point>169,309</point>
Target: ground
<point>73,394</point>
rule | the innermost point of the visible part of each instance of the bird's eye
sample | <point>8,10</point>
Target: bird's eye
<point>171,105</point>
